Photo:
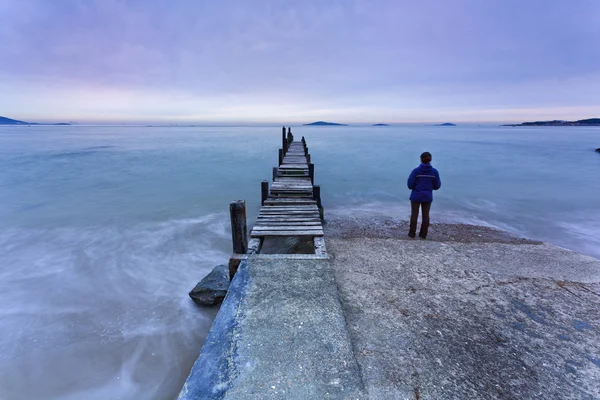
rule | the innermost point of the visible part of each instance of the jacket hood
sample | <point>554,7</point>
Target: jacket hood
<point>425,167</point>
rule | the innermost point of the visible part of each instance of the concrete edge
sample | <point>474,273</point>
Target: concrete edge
<point>213,371</point>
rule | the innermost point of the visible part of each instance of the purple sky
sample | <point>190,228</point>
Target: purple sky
<point>298,61</point>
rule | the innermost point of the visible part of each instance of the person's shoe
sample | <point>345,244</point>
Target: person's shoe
<point>411,235</point>
<point>422,237</point>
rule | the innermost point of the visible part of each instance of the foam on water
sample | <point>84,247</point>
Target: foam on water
<point>102,312</point>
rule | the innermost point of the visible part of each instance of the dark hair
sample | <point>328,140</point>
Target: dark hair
<point>426,157</point>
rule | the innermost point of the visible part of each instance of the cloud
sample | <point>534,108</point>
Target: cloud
<point>231,57</point>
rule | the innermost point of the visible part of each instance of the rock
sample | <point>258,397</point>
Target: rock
<point>213,287</point>
<point>598,150</point>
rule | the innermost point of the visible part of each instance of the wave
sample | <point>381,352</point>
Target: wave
<point>85,309</point>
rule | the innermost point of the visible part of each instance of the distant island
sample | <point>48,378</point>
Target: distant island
<point>556,122</point>
<point>447,124</point>
<point>9,121</point>
<point>323,123</point>
<point>380,125</point>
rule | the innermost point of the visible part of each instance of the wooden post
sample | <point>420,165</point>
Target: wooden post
<point>305,150</point>
<point>283,138</point>
<point>264,192</point>
<point>317,197</point>
<point>239,230</point>
<point>311,173</point>
<point>274,173</point>
<point>308,158</point>
<point>280,157</point>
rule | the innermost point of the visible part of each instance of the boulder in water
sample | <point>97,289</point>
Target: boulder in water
<point>213,287</point>
<point>598,150</point>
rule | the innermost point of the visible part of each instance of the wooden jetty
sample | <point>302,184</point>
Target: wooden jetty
<point>291,207</point>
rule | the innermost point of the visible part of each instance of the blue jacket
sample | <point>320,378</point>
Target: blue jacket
<point>422,181</point>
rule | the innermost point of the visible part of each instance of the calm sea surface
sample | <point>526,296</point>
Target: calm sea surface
<point>104,230</point>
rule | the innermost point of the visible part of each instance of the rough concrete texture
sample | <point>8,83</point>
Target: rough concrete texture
<point>293,343</point>
<point>377,226</point>
<point>280,334</point>
<point>434,320</point>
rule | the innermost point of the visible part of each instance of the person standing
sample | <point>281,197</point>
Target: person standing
<point>423,180</point>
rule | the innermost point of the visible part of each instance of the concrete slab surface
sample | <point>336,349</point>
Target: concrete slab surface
<point>490,316</point>
<point>286,337</point>
<point>433,320</point>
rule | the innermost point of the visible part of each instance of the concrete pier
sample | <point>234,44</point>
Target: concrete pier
<point>474,313</point>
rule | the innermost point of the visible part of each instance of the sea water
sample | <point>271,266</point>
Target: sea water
<point>104,230</point>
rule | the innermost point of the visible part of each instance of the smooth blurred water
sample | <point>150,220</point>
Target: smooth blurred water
<point>106,229</point>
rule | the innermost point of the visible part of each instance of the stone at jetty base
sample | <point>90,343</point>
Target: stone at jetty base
<point>598,150</point>
<point>212,289</point>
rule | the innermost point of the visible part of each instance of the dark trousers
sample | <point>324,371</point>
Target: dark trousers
<point>414,216</point>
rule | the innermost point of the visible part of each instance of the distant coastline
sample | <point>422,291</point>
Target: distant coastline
<point>380,125</point>
<point>323,123</point>
<point>581,122</point>
<point>9,121</point>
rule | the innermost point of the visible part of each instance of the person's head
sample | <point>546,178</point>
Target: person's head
<point>426,157</point>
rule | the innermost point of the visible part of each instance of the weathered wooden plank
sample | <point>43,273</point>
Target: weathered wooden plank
<point>290,216</point>
<point>274,211</point>
<point>295,200</point>
<point>293,179</point>
<point>287,223</point>
<point>294,185</point>
<point>297,193</point>
<point>288,201</point>
<point>286,233</point>
<point>284,194</point>
<point>308,207</point>
<point>305,231</point>
<point>283,211</point>
<point>310,217</point>
<point>291,187</point>
<point>308,192</point>
<point>291,190</point>
<point>287,228</point>
<point>284,217</point>
<point>290,228</point>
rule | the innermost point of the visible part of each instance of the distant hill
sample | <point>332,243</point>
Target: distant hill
<point>556,122</point>
<point>380,125</point>
<point>323,123</point>
<point>8,121</point>
<point>447,124</point>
